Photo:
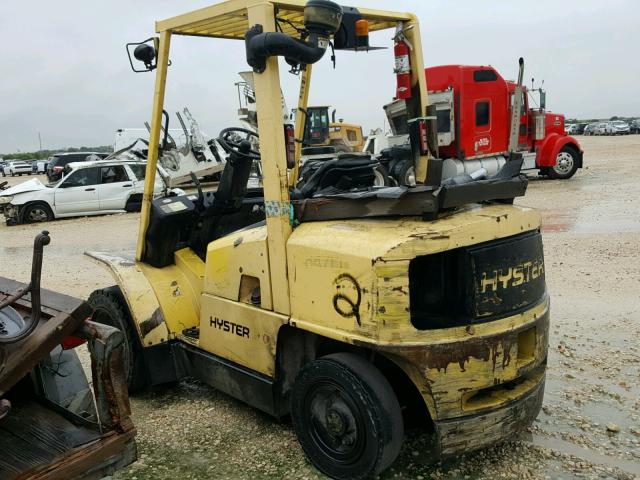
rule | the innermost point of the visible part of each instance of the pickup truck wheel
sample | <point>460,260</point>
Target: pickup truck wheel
<point>346,416</point>
<point>566,164</point>
<point>37,212</point>
<point>109,308</point>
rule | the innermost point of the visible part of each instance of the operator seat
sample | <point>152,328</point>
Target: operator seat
<point>195,220</point>
<point>345,173</point>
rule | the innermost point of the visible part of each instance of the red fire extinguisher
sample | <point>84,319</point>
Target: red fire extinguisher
<point>403,68</point>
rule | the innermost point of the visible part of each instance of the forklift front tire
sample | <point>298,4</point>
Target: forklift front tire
<point>346,416</point>
<point>110,308</point>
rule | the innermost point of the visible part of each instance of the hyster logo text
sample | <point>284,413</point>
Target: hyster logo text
<point>511,277</point>
<point>227,326</point>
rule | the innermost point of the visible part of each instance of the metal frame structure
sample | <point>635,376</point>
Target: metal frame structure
<point>230,20</point>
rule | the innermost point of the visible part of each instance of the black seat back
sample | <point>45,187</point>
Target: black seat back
<point>348,172</point>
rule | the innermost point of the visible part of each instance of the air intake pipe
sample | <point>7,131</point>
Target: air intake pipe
<point>322,19</point>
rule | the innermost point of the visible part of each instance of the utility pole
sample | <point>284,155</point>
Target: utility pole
<point>40,141</point>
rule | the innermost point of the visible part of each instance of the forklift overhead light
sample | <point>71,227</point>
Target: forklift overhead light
<point>322,17</point>
<point>353,33</point>
<point>362,34</point>
<point>145,52</point>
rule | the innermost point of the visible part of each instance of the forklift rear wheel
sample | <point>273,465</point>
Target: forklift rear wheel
<point>566,164</point>
<point>109,308</point>
<point>346,416</point>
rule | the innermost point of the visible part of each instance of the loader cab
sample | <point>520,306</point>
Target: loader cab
<point>316,130</point>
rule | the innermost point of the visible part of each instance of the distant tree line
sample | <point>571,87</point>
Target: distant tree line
<point>44,154</point>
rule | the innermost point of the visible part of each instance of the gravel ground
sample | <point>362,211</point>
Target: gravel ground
<point>590,423</point>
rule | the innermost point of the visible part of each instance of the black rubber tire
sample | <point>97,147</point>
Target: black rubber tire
<point>566,175</point>
<point>384,174</point>
<point>401,170</point>
<point>32,208</point>
<point>110,308</point>
<point>134,203</point>
<point>362,402</point>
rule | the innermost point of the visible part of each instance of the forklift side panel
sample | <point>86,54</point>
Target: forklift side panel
<point>240,254</point>
<point>241,333</point>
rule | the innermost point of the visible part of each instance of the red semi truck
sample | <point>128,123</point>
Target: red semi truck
<point>473,106</point>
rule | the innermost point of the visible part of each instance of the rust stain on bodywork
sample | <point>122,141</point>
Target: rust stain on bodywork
<point>441,356</point>
<point>148,325</point>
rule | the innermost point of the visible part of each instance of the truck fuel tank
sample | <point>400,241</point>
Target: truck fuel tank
<point>453,166</point>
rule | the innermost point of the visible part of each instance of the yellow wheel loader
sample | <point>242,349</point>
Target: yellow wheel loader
<point>356,310</point>
<point>320,132</point>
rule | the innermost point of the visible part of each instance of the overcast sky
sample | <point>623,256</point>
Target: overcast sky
<point>64,71</point>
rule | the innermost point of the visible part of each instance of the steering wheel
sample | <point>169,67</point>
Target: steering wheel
<point>228,140</point>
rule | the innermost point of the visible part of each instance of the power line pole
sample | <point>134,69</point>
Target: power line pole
<point>40,141</point>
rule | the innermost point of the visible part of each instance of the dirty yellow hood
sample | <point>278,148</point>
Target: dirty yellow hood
<point>343,272</point>
<point>403,239</point>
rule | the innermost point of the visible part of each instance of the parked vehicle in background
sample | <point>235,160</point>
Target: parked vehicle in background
<point>569,128</point>
<point>4,165</point>
<point>87,188</point>
<point>590,129</point>
<point>477,127</point>
<point>634,126</point>
<point>38,166</point>
<point>58,161</point>
<point>617,127</point>
<point>579,128</point>
<point>19,168</point>
<point>600,128</point>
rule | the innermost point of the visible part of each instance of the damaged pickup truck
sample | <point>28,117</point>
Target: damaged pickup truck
<point>52,426</point>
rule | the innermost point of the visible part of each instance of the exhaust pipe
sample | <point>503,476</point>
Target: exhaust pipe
<point>515,112</point>
<point>261,45</point>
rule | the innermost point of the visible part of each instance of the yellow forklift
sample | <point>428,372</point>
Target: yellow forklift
<point>356,310</point>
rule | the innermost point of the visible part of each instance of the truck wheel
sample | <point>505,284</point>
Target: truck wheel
<point>405,174</point>
<point>566,164</point>
<point>109,308</point>
<point>37,212</point>
<point>346,416</point>
<point>381,176</point>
